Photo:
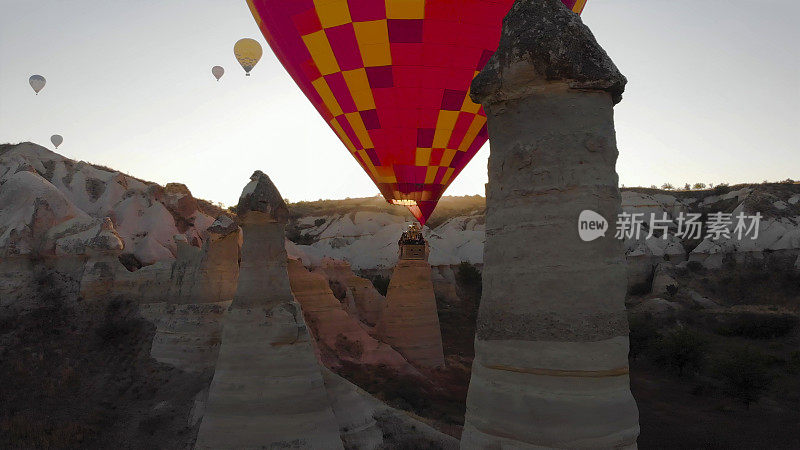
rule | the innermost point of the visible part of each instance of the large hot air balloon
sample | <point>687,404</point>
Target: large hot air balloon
<point>37,82</point>
<point>391,78</point>
<point>248,52</point>
<point>56,139</point>
<point>217,71</point>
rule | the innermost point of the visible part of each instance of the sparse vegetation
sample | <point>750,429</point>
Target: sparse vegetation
<point>79,376</point>
<point>296,236</point>
<point>720,188</point>
<point>680,350</point>
<point>469,277</point>
<point>758,326</point>
<point>695,266</point>
<point>744,373</point>
<point>353,349</point>
<point>643,334</point>
<point>756,282</point>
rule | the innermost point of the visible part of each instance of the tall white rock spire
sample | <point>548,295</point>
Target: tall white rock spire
<point>551,348</point>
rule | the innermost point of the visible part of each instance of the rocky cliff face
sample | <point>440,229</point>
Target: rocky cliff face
<point>338,335</point>
<point>365,239</point>
<point>361,298</point>
<point>461,238</point>
<point>101,227</point>
<point>46,189</point>
<point>368,239</point>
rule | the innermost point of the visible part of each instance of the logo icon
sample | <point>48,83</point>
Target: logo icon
<point>591,225</point>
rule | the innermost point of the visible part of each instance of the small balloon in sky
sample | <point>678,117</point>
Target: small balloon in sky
<point>56,139</point>
<point>37,83</point>
<point>248,52</point>
<point>217,71</point>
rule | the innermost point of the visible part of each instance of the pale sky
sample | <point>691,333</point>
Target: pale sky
<point>712,95</point>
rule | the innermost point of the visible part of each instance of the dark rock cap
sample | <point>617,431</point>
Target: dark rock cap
<point>223,226</point>
<point>547,36</point>
<point>262,196</point>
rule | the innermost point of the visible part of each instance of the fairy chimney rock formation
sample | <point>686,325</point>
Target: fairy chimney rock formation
<point>551,346</point>
<point>103,252</point>
<point>409,321</point>
<point>545,47</point>
<point>267,390</point>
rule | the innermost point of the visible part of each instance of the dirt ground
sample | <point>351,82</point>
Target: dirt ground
<point>672,417</point>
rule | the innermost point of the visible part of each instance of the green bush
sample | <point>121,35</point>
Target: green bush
<point>672,289</point>
<point>118,325</point>
<point>744,374</point>
<point>680,350</point>
<point>294,235</point>
<point>773,282</point>
<point>694,266</point>
<point>469,278</point>
<point>381,284</point>
<point>794,361</point>
<point>643,333</point>
<point>643,287</point>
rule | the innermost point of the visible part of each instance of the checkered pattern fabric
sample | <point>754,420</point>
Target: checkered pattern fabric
<point>391,78</point>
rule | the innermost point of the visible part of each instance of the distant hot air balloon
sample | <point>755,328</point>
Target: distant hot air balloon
<point>56,139</point>
<point>217,71</point>
<point>391,78</point>
<point>248,52</point>
<point>37,83</point>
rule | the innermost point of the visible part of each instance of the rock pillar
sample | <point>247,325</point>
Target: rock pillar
<point>409,321</point>
<point>267,390</point>
<point>551,347</point>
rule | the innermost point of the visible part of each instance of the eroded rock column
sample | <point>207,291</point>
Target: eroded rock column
<point>409,321</point>
<point>267,390</point>
<point>551,367</point>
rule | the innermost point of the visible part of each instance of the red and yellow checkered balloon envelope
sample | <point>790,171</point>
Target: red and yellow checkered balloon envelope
<point>391,78</point>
